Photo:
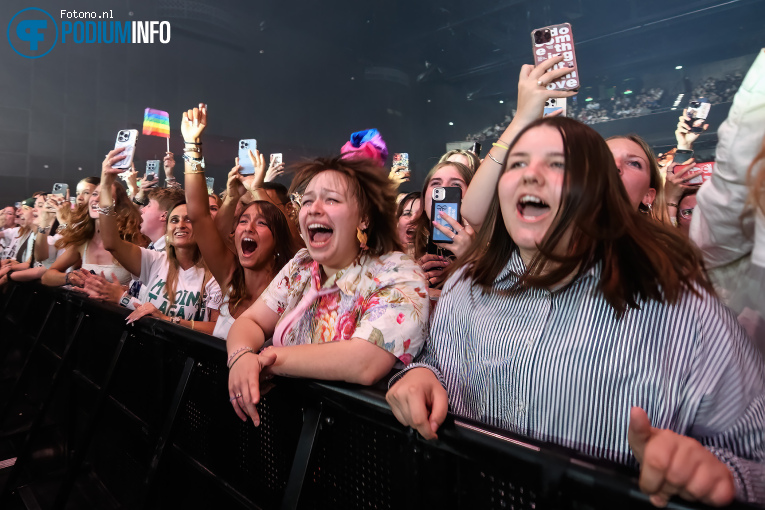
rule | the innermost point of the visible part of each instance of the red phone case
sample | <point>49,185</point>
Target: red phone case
<point>561,42</point>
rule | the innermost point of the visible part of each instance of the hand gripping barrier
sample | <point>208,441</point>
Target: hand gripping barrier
<point>97,414</point>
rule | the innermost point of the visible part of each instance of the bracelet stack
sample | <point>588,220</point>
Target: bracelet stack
<point>107,211</point>
<point>502,145</point>
<point>197,164</point>
<point>236,355</point>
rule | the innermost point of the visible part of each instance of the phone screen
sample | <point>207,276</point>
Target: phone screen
<point>681,156</point>
<point>245,146</point>
<point>210,182</point>
<point>450,209</point>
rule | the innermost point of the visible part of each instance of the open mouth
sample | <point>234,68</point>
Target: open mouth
<point>179,234</point>
<point>249,245</point>
<point>531,207</point>
<point>410,230</point>
<point>319,234</point>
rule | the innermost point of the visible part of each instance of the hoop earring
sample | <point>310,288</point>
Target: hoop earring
<point>362,237</point>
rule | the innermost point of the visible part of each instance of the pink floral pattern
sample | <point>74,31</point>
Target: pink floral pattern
<point>381,299</point>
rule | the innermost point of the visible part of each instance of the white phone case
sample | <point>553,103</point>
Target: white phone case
<point>126,138</point>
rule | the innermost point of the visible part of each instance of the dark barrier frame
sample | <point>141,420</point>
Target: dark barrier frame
<point>103,415</point>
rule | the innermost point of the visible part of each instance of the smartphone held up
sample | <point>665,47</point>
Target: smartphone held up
<point>245,146</point>
<point>126,139</point>
<point>553,41</point>
<point>446,200</point>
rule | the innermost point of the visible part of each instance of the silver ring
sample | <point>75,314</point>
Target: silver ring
<point>238,395</point>
<point>232,399</point>
<point>452,238</point>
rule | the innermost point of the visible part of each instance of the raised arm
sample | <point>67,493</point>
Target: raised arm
<point>719,225</point>
<point>127,254</point>
<point>218,257</point>
<point>532,94</point>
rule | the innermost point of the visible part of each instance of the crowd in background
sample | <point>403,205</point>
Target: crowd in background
<point>620,106</point>
<point>585,294</point>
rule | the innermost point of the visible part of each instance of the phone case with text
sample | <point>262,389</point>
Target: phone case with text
<point>548,42</point>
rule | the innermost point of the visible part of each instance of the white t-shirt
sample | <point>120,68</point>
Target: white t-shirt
<point>188,295</point>
<point>53,253</point>
<point>7,237</point>
<point>11,242</point>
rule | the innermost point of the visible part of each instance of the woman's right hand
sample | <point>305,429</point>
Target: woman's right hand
<point>244,383</point>
<point>78,277</point>
<point>113,157</point>
<point>685,137</point>
<point>433,266</point>
<point>419,401</point>
<point>532,88</point>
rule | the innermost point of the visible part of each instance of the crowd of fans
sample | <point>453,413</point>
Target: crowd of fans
<point>584,295</point>
<point>716,90</point>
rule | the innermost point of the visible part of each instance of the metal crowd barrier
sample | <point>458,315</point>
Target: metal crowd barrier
<point>96,414</point>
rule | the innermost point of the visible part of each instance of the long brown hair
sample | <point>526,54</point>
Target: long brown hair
<point>423,224</point>
<point>374,192</point>
<point>82,227</point>
<point>657,210</point>
<point>283,244</point>
<point>639,258</point>
<point>174,265</point>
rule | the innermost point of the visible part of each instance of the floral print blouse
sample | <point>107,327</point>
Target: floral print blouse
<point>383,300</point>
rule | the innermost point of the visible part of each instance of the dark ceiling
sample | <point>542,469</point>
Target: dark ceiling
<point>301,75</point>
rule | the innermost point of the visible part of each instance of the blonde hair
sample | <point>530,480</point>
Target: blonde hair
<point>657,210</point>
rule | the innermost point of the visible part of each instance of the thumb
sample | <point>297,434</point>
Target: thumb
<point>439,406</point>
<point>267,358</point>
<point>639,432</point>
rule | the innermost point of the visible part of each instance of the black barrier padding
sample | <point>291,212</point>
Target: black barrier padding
<point>159,432</point>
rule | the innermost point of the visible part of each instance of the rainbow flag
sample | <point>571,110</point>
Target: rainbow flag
<point>156,122</point>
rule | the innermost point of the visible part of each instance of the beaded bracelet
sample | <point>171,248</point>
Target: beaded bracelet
<point>237,359</point>
<point>228,361</point>
<point>193,143</point>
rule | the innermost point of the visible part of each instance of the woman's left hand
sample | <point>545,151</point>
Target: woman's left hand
<point>462,237</point>
<point>144,310</point>
<point>677,182</point>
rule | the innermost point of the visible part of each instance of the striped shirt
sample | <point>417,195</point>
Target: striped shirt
<point>561,367</point>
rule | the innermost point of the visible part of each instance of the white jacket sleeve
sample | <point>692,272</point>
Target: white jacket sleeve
<point>718,227</point>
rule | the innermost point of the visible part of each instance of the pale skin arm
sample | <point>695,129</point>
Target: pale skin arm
<point>355,361</point>
<point>28,275</point>
<point>149,310</point>
<point>127,254</point>
<point>219,258</point>
<point>249,330</point>
<point>56,275</point>
<point>531,100</point>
